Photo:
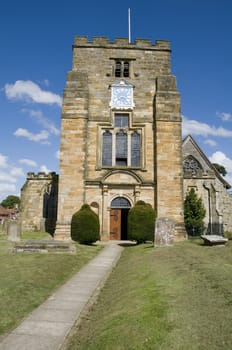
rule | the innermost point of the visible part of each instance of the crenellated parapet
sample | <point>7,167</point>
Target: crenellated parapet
<point>84,41</point>
<point>41,176</point>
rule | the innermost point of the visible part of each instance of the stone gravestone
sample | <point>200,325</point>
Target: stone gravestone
<point>13,231</point>
<point>164,232</point>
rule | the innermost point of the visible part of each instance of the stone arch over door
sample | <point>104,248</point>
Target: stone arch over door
<point>119,209</point>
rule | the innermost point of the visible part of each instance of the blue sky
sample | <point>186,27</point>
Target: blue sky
<point>36,53</point>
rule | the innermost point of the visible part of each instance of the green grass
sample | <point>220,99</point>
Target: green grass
<point>27,279</point>
<point>35,236</point>
<point>166,298</point>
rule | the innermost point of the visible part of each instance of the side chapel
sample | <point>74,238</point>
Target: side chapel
<point>120,141</point>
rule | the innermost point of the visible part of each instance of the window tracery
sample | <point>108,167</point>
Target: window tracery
<point>191,164</point>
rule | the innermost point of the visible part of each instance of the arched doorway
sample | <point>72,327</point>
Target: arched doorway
<point>118,218</point>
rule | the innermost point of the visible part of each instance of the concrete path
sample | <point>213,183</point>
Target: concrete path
<point>47,326</point>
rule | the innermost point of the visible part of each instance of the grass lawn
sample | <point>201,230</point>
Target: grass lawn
<point>27,279</point>
<point>166,298</point>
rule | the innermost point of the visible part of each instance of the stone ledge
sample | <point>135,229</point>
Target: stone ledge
<point>43,246</point>
<point>214,239</point>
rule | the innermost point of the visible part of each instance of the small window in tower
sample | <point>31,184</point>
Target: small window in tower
<point>126,69</point>
<point>121,120</point>
<point>118,66</point>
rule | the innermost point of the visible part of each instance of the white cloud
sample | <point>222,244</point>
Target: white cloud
<point>40,119</point>
<point>17,172</point>
<point>193,127</point>
<point>210,142</point>
<point>46,82</point>
<point>57,155</point>
<point>9,178</point>
<point>6,187</point>
<point>40,137</point>
<point>226,117</point>
<point>222,159</point>
<point>44,169</point>
<point>30,92</point>
<point>32,112</point>
<point>6,177</point>
<point>3,161</point>
<point>228,178</point>
<point>28,162</point>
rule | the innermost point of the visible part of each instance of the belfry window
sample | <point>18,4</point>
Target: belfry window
<point>126,70</point>
<point>118,67</point>
<point>122,69</point>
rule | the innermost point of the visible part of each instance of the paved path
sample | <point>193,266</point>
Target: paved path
<point>48,325</point>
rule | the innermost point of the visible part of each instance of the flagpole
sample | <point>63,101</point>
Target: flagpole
<point>129,26</point>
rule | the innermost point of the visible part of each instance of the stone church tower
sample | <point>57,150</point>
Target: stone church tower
<point>120,135</point>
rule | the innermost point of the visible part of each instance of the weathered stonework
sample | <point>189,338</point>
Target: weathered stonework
<point>38,208</point>
<point>201,175</point>
<point>153,117</point>
<point>86,111</point>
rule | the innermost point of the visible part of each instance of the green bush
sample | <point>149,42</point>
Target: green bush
<point>85,227</point>
<point>228,234</point>
<point>194,213</point>
<point>141,222</point>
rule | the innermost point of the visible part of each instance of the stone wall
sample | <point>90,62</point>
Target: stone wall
<point>155,115</point>
<point>86,111</point>
<point>200,174</point>
<point>38,208</point>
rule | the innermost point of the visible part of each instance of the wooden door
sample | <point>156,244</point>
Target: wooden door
<point>115,224</point>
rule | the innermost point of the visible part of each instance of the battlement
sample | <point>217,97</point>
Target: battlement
<point>41,176</point>
<point>83,41</point>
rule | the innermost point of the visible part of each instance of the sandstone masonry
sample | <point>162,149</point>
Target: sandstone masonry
<point>121,142</point>
<point>109,81</point>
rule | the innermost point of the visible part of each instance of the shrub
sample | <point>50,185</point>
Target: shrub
<point>141,222</point>
<point>194,213</point>
<point>85,227</point>
<point>228,234</point>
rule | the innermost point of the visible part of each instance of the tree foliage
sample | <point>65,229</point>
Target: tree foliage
<point>194,213</point>
<point>141,222</point>
<point>10,201</point>
<point>220,168</point>
<point>85,227</point>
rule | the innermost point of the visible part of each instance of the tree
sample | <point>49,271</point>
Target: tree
<point>194,213</point>
<point>220,168</point>
<point>85,226</point>
<point>141,222</point>
<point>10,202</point>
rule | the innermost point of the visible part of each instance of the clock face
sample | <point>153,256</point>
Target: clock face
<point>121,97</point>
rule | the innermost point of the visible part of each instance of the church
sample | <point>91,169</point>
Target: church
<point>121,142</point>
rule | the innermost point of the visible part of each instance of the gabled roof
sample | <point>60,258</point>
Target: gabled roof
<point>189,140</point>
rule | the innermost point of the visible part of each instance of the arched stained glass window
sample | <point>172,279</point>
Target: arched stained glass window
<point>120,202</point>
<point>107,148</point>
<point>135,149</point>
